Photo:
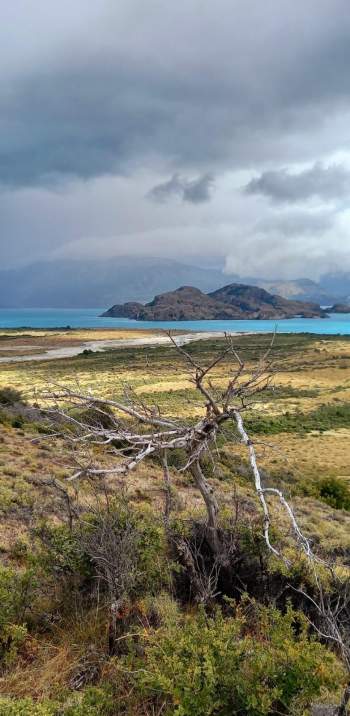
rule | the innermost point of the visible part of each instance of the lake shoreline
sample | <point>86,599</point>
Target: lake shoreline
<point>99,346</point>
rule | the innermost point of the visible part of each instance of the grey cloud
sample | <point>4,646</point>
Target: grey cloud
<point>125,95</point>
<point>162,192</point>
<point>296,223</point>
<point>326,183</point>
<point>198,190</point>
<point>195,191</point>
<point>99,101</point>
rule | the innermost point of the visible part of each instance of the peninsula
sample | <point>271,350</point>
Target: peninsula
<point>232,302</point>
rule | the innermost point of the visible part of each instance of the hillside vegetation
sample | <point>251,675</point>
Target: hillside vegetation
<point>227,639</point>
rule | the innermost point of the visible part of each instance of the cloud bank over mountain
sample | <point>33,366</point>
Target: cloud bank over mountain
<point>107,105</point>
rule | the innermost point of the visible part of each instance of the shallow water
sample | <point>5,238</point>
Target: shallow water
<point>89,318</point>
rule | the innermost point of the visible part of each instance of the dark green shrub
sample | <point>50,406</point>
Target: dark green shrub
<point>204,666</point>
<point>335,493</point>
<point>17,422</point>
<point>15,597</point>
<point>10,396</point>
<point>62,552</point>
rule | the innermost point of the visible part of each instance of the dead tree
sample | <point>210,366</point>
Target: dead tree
<point>135,431</point>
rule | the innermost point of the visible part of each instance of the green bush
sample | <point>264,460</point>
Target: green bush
<point>15,594</point>
<point>81,553</point>
<point>26,707</point>
<point>335,493</point>
<point>10,396</point>
<point>92,702</point>
<point>62,552</point>
<point>118,528</point>
<point>204,666</point>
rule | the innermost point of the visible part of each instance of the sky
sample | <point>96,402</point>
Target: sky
<point>217,133</point>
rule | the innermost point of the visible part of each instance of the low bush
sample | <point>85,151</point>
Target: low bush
<point>92,702</point>
<point>10,396</point>
<point>26,707</point>
<point>201,666</point>
<point>119,550</point>
<point>15,596</point>
<point>334,492</point>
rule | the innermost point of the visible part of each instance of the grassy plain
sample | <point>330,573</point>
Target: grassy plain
<point>301,423</point>
<point>301,426</point>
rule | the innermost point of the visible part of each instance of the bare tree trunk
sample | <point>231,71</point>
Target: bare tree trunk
<point>211,505</point>
<point>167,490</point>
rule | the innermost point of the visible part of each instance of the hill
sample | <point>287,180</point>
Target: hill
<point>234,301</point>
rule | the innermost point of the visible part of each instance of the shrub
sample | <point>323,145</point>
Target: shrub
<point>62,554</point>
<point>335,493</point>
<point>121,547</point>
<point>204,666</point>
<point>92,702</point>
<point>130,545</point>
<point>26,707</point>
<point>10,396</point>
<point>15,591</point>
<point>17,422</point>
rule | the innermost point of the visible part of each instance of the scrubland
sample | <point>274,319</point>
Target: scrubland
<point>247,649</point>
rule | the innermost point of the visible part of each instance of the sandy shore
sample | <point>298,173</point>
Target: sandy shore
<point>101,345</point>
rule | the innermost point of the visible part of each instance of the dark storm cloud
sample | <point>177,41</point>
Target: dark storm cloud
<point>125,94</point>
<point>195,191</point>
<point>326,183</point>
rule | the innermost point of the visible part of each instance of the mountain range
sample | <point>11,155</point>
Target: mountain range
<point>88,283</point>
<point>234,301</point>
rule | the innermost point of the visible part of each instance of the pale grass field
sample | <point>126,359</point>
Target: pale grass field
<point>161,378</point>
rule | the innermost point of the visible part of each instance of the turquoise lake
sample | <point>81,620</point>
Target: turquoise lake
<point>89,318</point>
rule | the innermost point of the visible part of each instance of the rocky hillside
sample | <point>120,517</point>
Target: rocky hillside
<point>235,301</point>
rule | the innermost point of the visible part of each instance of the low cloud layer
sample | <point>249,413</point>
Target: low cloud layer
<point>325,183</point>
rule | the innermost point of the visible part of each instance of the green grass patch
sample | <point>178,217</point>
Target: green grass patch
<point>326,417</point>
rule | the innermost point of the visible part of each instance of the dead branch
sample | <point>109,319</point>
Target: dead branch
<point>135,432</point>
